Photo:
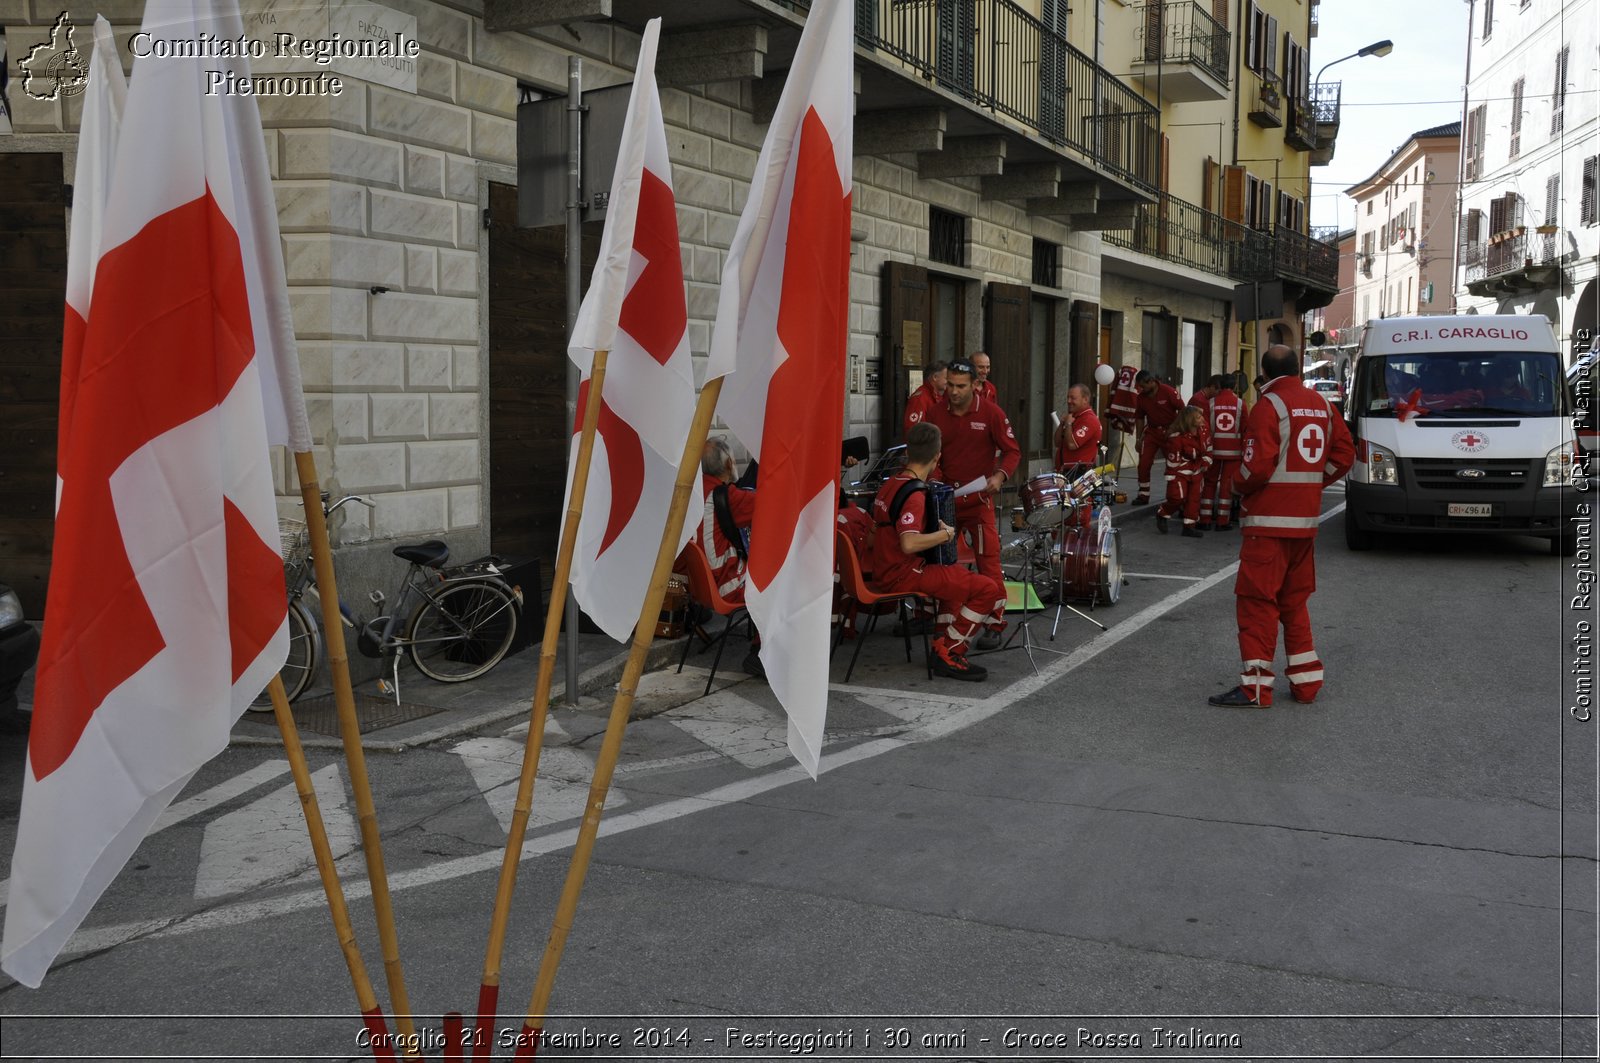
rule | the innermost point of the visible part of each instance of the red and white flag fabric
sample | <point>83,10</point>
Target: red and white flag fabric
<point>166,612</point>
<point>91,183</point>
<point>635,310</point>
<point>780,340</point>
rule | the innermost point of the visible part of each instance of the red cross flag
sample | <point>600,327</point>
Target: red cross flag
<point>780,340</point>
<point>91,183</point>
<point>166,613</point>
<point>635,310</point>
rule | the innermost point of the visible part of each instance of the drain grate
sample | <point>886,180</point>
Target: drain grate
<point>373,713</point>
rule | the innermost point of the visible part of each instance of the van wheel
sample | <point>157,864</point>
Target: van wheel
<point>1355,536</point>
<point>1563,546</point>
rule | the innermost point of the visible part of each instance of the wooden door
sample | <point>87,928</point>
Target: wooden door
<point>907,328</point>
<point>33,284</point>
<point>1007,337</point>
<point>528,421</point>
<point>1091,344</point>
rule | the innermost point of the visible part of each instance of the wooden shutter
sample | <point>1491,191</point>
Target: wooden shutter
<point>1252,36</point>
<point>1234,193</point>
<point>1008,339</point>
<point>905,302</point>
<point>1269,42</point>
<point>1516,116</point>
<point>1219,11</point>
<point>1588,201</point>
<point>1085,354</point>
<point>1153,10</point>
<point>1558,96</point>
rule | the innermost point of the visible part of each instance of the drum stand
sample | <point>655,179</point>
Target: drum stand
<point>1058,534</point>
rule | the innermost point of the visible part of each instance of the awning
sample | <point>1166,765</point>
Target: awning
<point>1314,366</point>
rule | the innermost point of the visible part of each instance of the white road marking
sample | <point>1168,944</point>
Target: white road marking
<point>189,807</point>
<point>559,793</point>
<point>737,728</point>
<point>266,839</point>
<point>90,940</point>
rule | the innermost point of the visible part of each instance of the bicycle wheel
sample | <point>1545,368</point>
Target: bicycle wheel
<point>463,632</point>
<point>305,650</point>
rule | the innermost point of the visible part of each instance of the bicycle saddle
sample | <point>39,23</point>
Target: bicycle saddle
<point>431,554</point>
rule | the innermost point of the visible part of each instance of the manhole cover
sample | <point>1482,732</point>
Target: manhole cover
<point>373,713</point>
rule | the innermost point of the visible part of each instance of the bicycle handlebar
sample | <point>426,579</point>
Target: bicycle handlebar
<point>328,510</point>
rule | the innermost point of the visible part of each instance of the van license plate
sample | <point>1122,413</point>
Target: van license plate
<point>1470,509</point>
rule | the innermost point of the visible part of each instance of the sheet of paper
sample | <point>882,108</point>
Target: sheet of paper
<point>973,487</point>
<point>1055,419</point>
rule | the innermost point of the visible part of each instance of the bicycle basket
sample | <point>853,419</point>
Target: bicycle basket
<point>296,541</point>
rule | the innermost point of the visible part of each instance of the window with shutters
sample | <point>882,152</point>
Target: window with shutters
<point>1488,18</point>
<point>1472,229</point>
<point>1219,11</point>
<point>1588,200</point>
<point>1252,186</point>
<point>1269,41</point>
<point>947,237</point>
<point>1516,117</point>
<point>1558,95</point>
<point>1476,119</point>
<point>1552,216</point>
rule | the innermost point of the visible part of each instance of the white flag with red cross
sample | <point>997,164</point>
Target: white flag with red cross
<point>635,310</point>
<point>779,339</point>
<point>166,613</point>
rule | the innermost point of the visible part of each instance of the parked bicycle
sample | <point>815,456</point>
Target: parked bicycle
<point>454,623</point>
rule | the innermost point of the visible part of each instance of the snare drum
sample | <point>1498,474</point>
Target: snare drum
<point>1091,562</point>
<point>1044,500</point>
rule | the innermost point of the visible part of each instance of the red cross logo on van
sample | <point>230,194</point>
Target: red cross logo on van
<point>1469,441</point>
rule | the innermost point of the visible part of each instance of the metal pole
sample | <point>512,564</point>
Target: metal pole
<point>574,296</point>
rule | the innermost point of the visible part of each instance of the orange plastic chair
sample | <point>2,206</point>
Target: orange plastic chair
<point>872,601</point>
<point>703,589</point>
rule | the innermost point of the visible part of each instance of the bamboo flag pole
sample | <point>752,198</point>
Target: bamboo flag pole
<point>643,634</point>
<point>355,758</point>
<point>366,1000</point>
<point>489,988</point>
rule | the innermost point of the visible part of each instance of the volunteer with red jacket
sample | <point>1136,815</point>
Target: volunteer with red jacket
<point>1157,405</point>
<point>724,535</point>
<point>1078,434</point>
<point>1227,446</point>
<point>966,598</point>
<point>927,395</point>
<point>974,432</point>
<point>1188,454</point>
<point>982,384</point>
<point>1294,446</point>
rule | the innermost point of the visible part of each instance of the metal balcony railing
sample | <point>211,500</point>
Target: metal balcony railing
<point>1178,231</point>
<point>1188,35</point>
<point>1510,253</point>
<point>1002,58</point>
<point>1285,253</point>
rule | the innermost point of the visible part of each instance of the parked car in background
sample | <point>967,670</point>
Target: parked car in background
<point>19,648</point>
<point>1331,390</point>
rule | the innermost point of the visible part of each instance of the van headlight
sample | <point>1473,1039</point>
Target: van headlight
<point>1561,465</point>
<point>1382,468</point>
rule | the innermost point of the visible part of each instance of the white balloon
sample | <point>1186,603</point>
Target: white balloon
<point>1104,374</point>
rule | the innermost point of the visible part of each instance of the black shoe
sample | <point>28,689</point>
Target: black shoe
<point>1141,500</point>
<point>753,665</point>
<point>1161,524</point>
<point>989,640</point>
<point>1205,526</point>
<point>956,666</point>
<point>1191,532</point>
<point>1227,527</point>
<point>1235,699</point>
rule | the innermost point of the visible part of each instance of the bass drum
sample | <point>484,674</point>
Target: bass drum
<point>1091,562</point>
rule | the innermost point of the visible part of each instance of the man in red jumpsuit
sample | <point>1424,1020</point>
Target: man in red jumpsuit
<point>927,395</point>
<point>727,554</point>
<point>974,431</point>
<point>966,598</point>
<point>983,385</point>
<point>1294,446</point>
<point>1157,405</point>
<point>1226,422</point>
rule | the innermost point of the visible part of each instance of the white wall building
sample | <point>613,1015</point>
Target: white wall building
<point>1530,151</point>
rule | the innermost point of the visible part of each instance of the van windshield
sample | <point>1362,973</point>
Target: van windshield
<point>1482,383</point>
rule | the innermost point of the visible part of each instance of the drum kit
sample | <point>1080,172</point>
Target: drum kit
<point>1068,548</point>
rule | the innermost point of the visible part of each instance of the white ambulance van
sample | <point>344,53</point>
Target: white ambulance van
<point>1461,424</point>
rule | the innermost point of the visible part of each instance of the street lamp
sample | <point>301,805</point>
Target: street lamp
<point>1377,48</point>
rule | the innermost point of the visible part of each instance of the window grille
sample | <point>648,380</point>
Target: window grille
<point>947,237</point>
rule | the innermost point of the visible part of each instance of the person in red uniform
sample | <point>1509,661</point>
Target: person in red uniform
<point>727,553</point>
<point>966,598</point>
<point>1157,405</point>
<point>927,395</point>
<point>983,385</point>
<point>974,431</point>
<point>1294,446</point>
<point>1078,434</point>
<point>1207,391</point>
<point>1227,446</point>
<point>1188,453</point>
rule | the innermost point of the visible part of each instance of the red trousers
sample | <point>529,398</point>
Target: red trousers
<point>1151,447</point>
<point>975,521</point>
<point>1216,498</point>
<point>1276,578</point>
<point>1183,496</point>
<point>967,600</point>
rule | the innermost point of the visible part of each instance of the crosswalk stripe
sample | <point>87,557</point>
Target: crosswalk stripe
<point>559,794</point>
<point>266,839</point>
<point>738,728</point>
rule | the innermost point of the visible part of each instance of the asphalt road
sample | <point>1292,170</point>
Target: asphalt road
<point>1085,862</point>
